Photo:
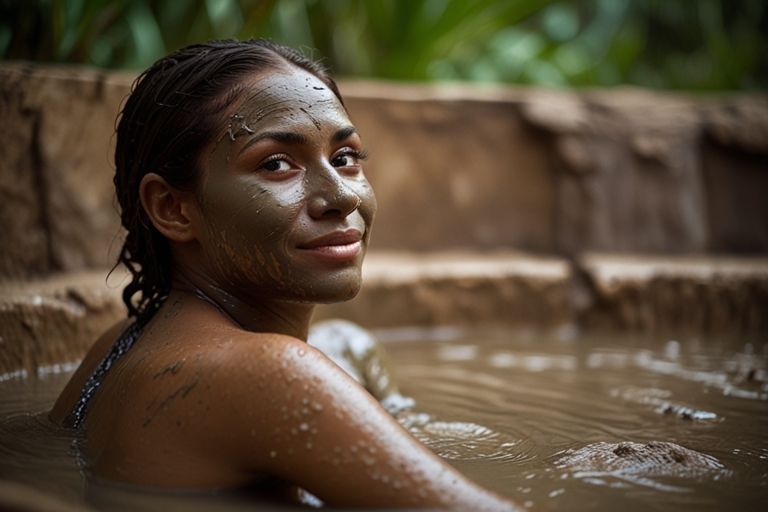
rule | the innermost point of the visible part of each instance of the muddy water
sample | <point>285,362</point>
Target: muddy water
<point>509,410</point>
<point>513,412</point>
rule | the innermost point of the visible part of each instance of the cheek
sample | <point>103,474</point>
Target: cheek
<point>368,201</point>
<point>265,217</point>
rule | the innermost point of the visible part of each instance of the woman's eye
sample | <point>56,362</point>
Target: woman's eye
<point>348,158</point>
<point>276,165</point>
<point>342,160</point>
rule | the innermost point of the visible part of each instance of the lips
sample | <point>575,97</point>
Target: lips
<point>339,245</point>
<point>350,236</point>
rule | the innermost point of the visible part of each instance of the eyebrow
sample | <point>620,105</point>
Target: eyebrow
<point>297,138</point>
<point>286,137</point>
<point>343,134</point>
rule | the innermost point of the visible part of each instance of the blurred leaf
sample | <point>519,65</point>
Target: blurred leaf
<point>681,44</point>
<point>145,34</point>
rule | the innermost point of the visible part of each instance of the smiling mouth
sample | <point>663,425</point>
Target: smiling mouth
<point>337,246</point>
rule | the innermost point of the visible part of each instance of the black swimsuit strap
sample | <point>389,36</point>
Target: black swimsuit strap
<point>124,343</point>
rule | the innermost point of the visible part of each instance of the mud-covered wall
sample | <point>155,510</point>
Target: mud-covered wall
<point>621,170</point>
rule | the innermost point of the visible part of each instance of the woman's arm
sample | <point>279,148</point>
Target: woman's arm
<point>294,414</point>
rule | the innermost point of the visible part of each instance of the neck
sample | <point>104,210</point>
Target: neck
<point>255,315</point>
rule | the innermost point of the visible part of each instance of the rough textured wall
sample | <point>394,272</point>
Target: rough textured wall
<point>735,166</point>
<point>56,192</point>
<point>629,173</point>
<point>703,294</point>
<point>55,320</point>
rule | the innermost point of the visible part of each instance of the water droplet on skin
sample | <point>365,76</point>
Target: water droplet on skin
<point>305,400</point>
<point>337,449</point>
<point>309,446</point>
<point>353,449</point>
<point>313,431</point>
<point>397,484</point>
<point>303,427</point>
<point>294,431</point>
<point>335,462</point>
<point>302,352</point>
<point>273,454</point>
<point>318,407</point>
<point>304,411</point>
<point>385,479</point>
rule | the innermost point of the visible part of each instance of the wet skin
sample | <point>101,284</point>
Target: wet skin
<point>221,390</point>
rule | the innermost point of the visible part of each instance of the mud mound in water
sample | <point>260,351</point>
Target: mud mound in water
<point>634,461</point>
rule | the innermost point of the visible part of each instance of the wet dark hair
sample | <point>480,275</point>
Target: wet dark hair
<point>176,109</point>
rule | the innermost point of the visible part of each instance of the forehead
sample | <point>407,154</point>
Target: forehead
<point>288,95</point>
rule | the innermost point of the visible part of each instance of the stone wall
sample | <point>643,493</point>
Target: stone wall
<point>56,192</point>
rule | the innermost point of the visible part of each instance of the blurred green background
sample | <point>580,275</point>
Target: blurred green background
<point>696,45</point>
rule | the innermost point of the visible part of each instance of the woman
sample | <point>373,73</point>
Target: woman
<point>239,177</point>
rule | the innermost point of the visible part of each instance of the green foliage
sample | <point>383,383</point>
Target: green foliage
<point>675,44</point>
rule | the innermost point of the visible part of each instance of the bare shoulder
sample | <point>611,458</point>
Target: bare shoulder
<point>278,376</point>
<point>292,413</point>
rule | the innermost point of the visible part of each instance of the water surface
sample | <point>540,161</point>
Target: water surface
<point>506,409</point>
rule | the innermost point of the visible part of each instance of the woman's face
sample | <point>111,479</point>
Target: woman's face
<point>286,209</point>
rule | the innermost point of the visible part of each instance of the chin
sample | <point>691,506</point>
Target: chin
<point>339,289</point>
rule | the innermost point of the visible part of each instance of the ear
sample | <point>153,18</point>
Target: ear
<point>167,208</point>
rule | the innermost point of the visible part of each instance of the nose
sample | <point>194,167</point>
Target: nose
<point>330,197</point>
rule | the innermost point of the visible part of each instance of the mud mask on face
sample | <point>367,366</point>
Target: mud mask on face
<point>255,217</point>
